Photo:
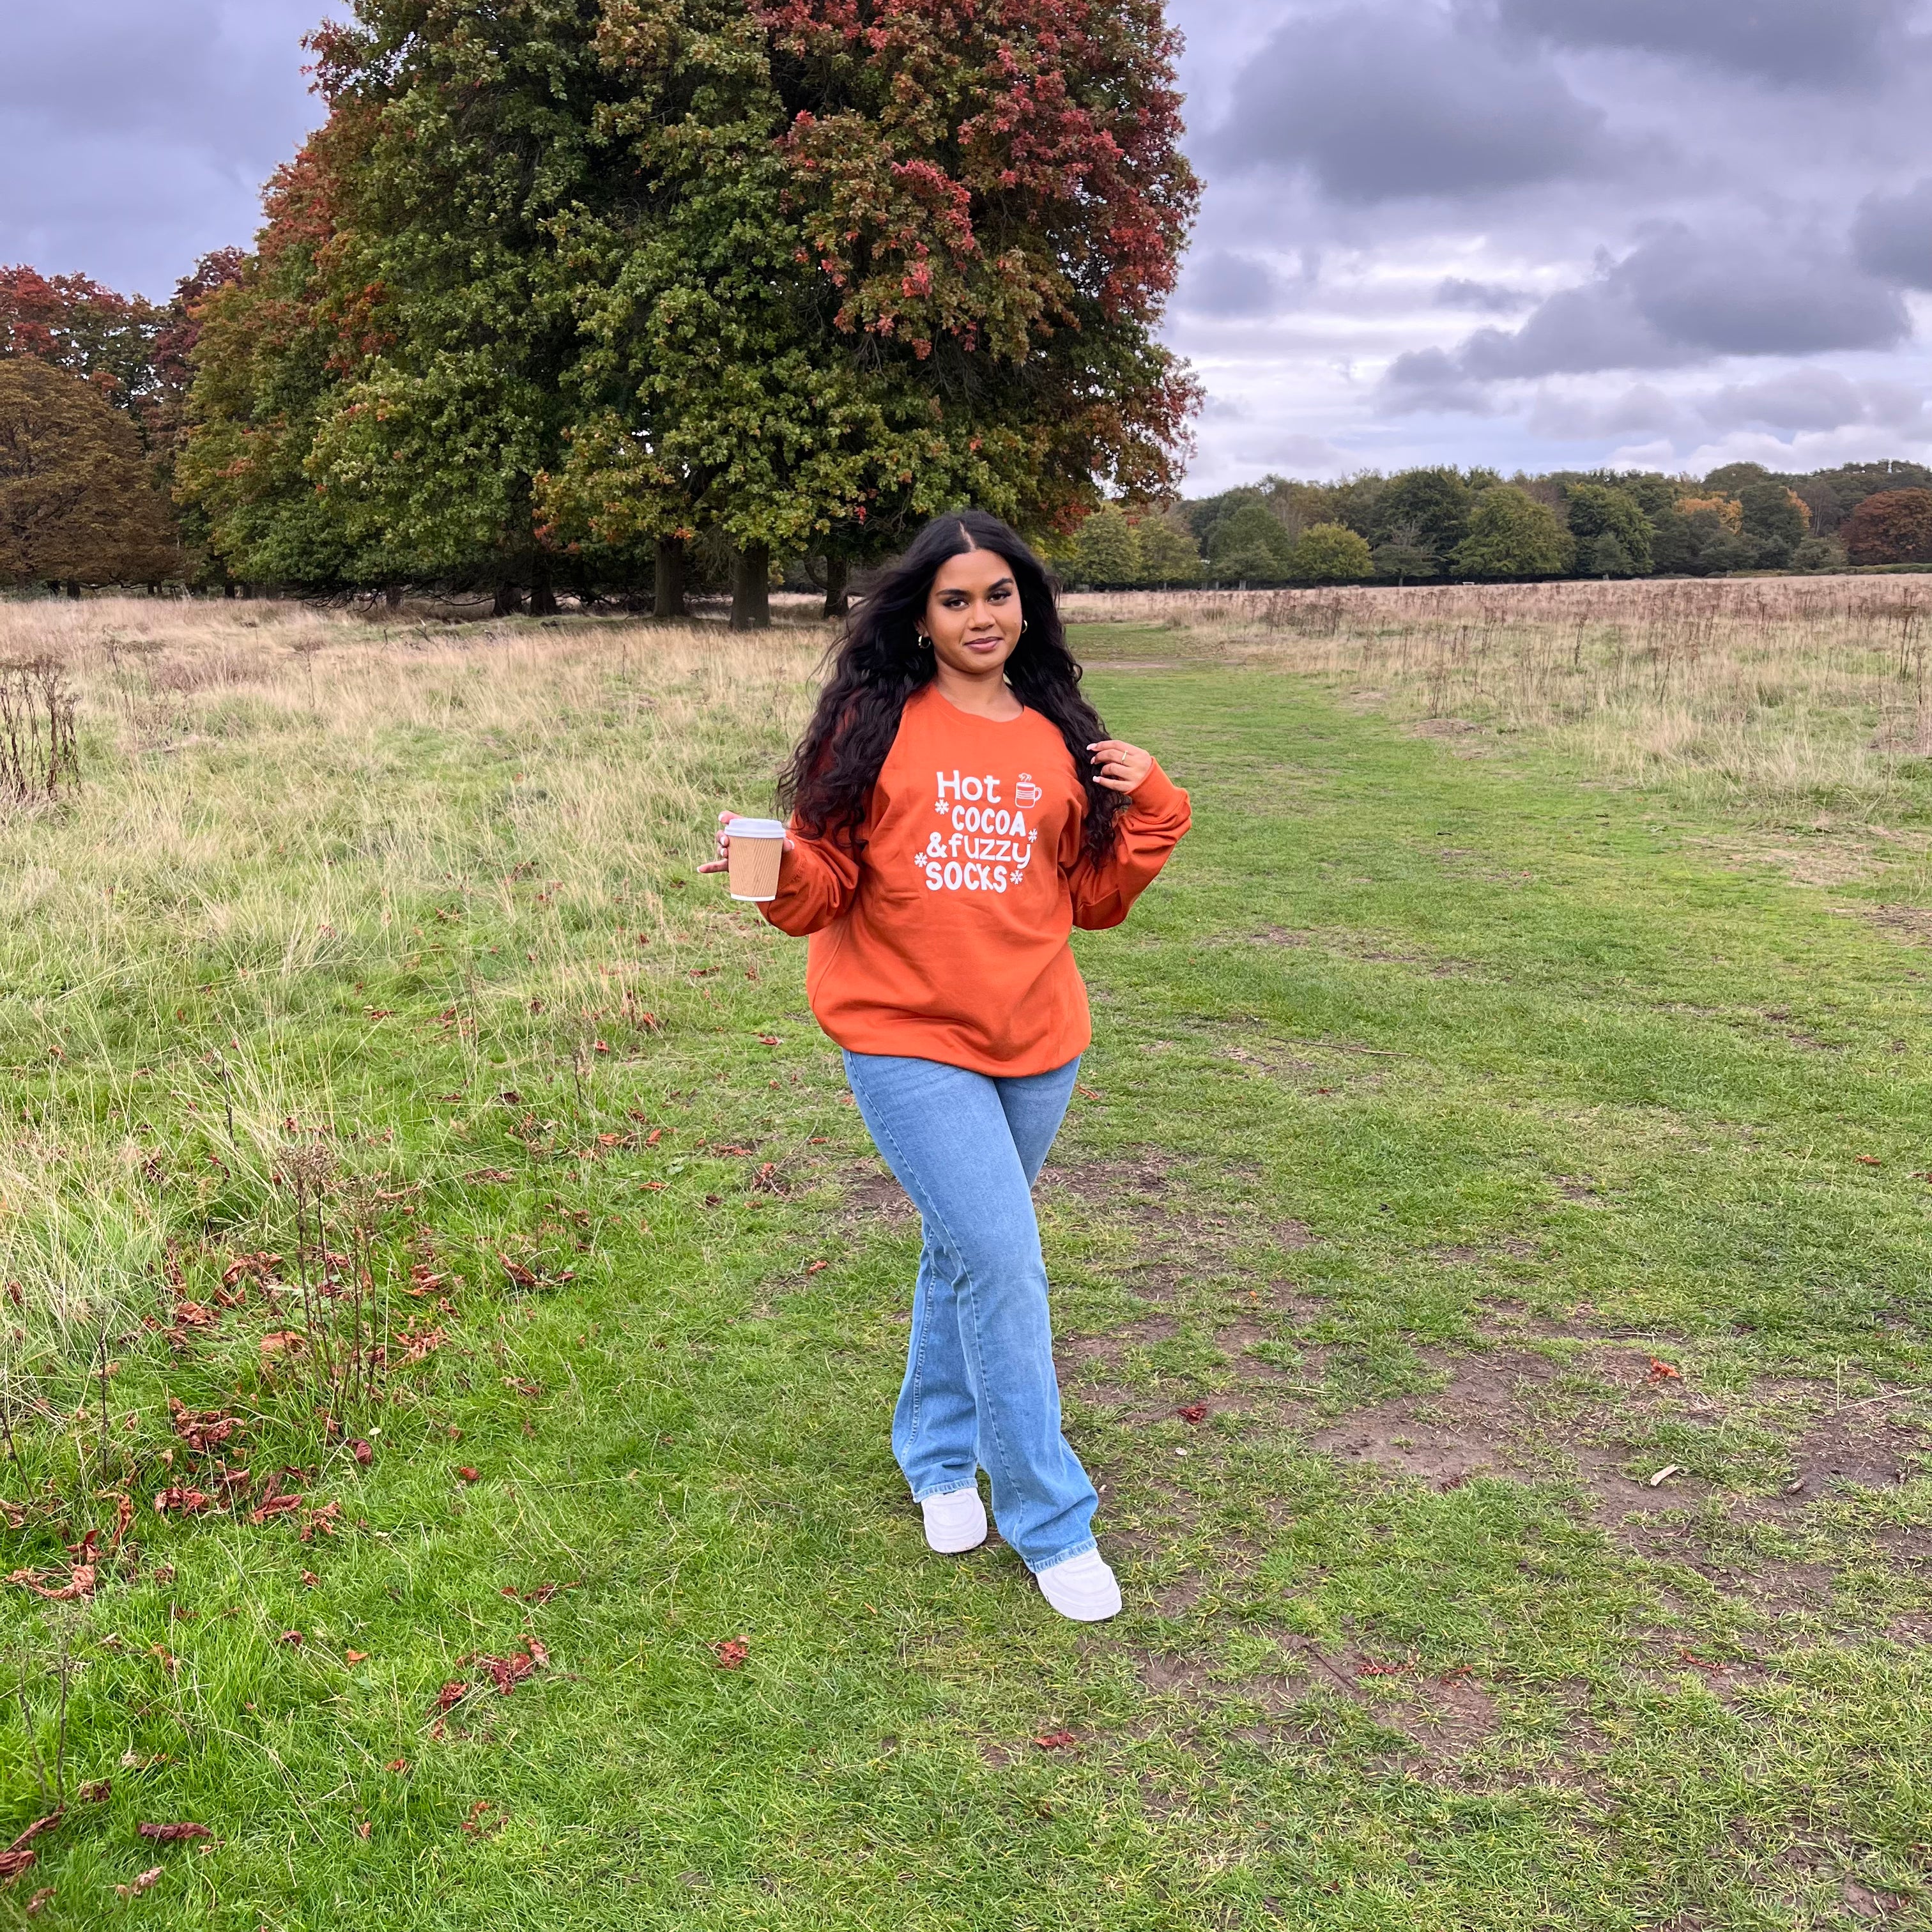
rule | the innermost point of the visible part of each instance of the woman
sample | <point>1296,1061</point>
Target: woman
<point>956,809</point>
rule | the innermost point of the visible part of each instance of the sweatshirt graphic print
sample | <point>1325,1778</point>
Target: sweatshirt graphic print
<point>945,936</point>
<point>989,844</point>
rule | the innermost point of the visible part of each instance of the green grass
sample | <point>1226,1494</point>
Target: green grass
<point>1433,1099</point>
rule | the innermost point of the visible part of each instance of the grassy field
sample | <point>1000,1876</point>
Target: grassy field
<point>453,1312</point>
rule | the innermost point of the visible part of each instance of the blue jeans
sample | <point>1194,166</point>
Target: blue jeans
<point>980,1391</point>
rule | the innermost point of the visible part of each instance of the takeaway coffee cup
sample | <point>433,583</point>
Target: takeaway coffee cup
<point>757,847</point>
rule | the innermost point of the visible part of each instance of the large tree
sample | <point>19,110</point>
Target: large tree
<point>879,265</point>
<point>1432,505</point>
<point>274,351</point>
<point>72,322</point>
<point>480,143</point>
<point>1893,526</point>
<point>1511,535</point>
<point>78,503</point>
<point>1613,534</point>
<point>1330,553</point>
<point>1250,545</point>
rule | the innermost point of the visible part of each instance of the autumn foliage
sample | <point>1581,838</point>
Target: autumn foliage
<point>78,503</point>
<point>1893,526</point>
<point>560,284</point>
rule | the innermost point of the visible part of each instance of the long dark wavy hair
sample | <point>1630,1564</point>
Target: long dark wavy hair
<point>878,663</point>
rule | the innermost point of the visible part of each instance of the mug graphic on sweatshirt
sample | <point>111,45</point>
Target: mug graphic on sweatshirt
<point>989,843</point>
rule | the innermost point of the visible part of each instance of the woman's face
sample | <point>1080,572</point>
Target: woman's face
<point>972,613</point>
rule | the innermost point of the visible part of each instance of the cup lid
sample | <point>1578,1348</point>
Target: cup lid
<point>754,828</point>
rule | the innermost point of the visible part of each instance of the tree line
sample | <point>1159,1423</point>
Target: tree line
<point>618,296</point>
<point>1429,525</point>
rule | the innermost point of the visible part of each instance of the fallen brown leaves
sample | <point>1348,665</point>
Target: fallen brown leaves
<point>1056,1740</point>
<point>480,1823</point>
<point>19,1855</point>
<point>505,1672</point>
<point>173,1835</point>
<point>275,1503</point>
<point>182,1502</point>
<point>541,1594</point>
<point>259,1267</point>
<point>415,1347</point>
<point>203,1430</point>
<point>147,1881</point>
<point>732,1652</point>
<point>81,1581</point>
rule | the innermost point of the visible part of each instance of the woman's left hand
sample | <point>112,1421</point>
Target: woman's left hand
<point>1119,766</point>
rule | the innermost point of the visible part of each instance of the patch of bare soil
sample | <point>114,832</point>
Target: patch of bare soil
<point>1499,1416</point>
<point>1912,924</point>
<point>1463,737</point>
<point>1867,1446</point>
<point>1076,1355</point>
<point>1475,1425</point>
<point>1138,1184</point>
<point>1825,860</point>
<point>871,1191</point>
<point>1443,1717</point>
<point>1380,949</point>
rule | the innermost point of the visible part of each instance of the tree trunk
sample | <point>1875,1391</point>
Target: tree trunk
<point>508,601</point>
<point>73,590</point>
<point>752,588</point>
<point>838,595</point>
<point>392,596</point>
<point>543,597</point>
<point>228,588</point>
<point>667,588</point>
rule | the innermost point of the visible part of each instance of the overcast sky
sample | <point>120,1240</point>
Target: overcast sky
<point>1526,232</point>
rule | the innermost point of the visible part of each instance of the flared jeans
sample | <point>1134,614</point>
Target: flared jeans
<point>980,1392</point>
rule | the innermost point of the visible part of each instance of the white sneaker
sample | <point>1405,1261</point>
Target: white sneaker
<point>1082,1588</point>
<point>955,1523</point>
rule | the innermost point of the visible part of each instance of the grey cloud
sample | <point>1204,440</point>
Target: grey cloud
<point>1893,235</point>
<point>1483,298</point>
<point>1795,402</point>
<point>1377,103</point>
<point>133,136</point>
<point>1814,399</point>
<point>1678,299</point>
<point>1230,285</point>
<point>1815,42</point>
<point>1643,409</point>
<point>1754,295</point>
<point>214,74</point>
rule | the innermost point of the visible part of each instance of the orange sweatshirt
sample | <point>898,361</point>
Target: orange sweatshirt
<point>947,938</point>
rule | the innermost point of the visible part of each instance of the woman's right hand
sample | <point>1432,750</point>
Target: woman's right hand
<point>723,861</point>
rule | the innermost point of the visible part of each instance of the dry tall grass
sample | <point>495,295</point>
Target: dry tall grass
<point>1758,695</point>
<point>269,793</point>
